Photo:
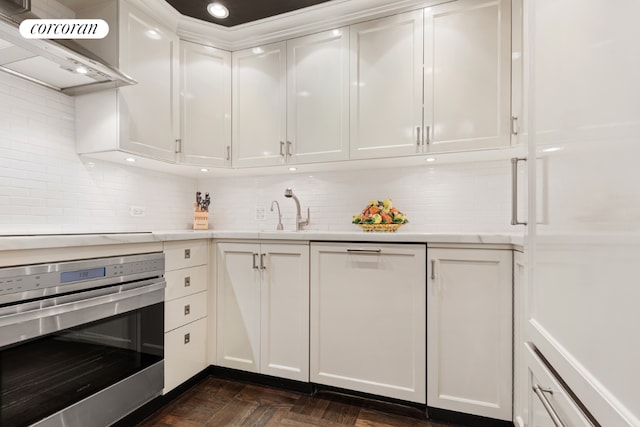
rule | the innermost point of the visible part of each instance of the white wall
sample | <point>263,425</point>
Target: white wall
<point>45,187</point>
<point>444,198</point>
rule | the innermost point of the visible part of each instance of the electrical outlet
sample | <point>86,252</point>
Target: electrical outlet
<point>260,213</point>
<point>137,210</point>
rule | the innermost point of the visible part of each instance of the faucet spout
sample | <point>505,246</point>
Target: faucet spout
<point>277,205</point>
<point>300,222</point>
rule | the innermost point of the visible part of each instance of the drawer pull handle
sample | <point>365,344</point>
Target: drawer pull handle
<point>187,253</point>
<point>187,281</point>
<point>433,269</point>
<point>187,309</point>
<point>187,338</point>
<point>262,264</point>
<point>255,261</point>
<point>365,250</point>
<point>540,392</point>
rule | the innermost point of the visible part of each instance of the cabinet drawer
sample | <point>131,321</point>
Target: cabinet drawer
<point>185,254</point>
<point>184,310</point>
<point>186,281</point>
<point>185,353</point>
<point>548,399</point>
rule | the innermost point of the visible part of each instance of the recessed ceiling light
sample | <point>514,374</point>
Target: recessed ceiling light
<point>130,159</point>
<point>430,159</point>
<point>292,169</point>
<point>217,10</point>
<point>204,170</point>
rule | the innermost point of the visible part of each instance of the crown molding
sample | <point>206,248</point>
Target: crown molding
<point>324,16</point>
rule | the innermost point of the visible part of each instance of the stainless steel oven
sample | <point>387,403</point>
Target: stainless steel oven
<point>81,342</point>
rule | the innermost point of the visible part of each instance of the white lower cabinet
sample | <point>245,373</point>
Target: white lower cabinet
<point>185,311</point>
<point>469,344</point>
<point>368,318</point>
<point>263,308</point>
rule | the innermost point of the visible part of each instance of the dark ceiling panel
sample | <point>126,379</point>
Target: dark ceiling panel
<point>240,11</point>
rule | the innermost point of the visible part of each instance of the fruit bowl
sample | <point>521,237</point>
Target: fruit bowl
<point>380,216</point>
<point>384,228</point>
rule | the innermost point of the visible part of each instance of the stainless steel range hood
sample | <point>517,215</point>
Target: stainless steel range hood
<point>52,63</point>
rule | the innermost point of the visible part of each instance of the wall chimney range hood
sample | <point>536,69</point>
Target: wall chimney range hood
<point>51,63</point>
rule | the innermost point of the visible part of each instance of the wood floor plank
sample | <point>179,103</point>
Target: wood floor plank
<point>341,413</point>
<point>215,402</point>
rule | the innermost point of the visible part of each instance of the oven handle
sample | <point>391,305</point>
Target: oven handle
<point>33,319</point>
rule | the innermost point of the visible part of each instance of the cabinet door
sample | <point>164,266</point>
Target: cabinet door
<point>185,353</point>
<point>259,105</point>
<point>386,92</point>
<point>205,107</point>
<point>318,97</point>
<point>469,348</point>
<point>238,306</point>
<point>285,311</point>
<point>148,110</point>
<point>368,319</point>
<point>467,88</point>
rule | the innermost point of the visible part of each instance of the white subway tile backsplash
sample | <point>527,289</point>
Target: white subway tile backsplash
<point>45,187</point>
<point>444,198</point>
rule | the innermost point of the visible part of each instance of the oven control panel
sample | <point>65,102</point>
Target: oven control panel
<point>49,279</point>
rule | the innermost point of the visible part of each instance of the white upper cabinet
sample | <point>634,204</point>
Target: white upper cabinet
<point>386,86</point>
<point>467,69</point>
<point>143,118</point>
<point>290,101</point>
<point>318,97</point>
<point>205,105</point>
<point>259,105</point>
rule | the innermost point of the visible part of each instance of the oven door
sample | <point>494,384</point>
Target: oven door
<point>82,359</point>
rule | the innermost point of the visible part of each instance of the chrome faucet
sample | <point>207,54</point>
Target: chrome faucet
<point>277,205</point>
<point>288,193</point>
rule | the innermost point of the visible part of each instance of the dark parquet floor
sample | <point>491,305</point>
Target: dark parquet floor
<point>217,402</point>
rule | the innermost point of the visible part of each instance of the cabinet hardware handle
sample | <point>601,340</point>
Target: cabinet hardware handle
<point>365,250</point>
<point>187,253</point>
<point>514,190</point>
<point>178,146</point>
<point>262,264</point>
<point>289,153</point>
<point>255,261</point>
<point>228,152</point>
<point>187,338</point>
<point>187,309</point>
<point>427,134</point>
<point>514,125</point>
<point>282,148</point>
<point>418,141</point>
<point>187,281</point>
<point>540,392</point>
<point>433,269</point>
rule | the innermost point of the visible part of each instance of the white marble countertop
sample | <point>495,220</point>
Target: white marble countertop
<point>44,241</point>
